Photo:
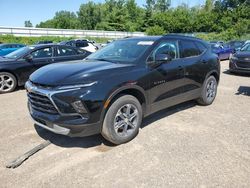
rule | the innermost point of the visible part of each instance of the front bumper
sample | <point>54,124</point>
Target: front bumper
<point>70,124</point>
<point>234,68</point>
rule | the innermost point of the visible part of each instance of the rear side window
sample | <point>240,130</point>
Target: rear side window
<point>202,47</point>
<point>65,51</point>
<point>188,49</point>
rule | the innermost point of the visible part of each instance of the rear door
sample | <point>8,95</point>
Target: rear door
<point>195,66</point>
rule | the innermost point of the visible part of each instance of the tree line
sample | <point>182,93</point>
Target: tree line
<point>231,17</point>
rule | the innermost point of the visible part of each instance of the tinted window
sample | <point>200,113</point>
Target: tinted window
<point>246,48</point>
<point>65,51</point>
<point>42,53</point>
<point>202,47</point>
<point>166,47</point>
<point>188,49</point>
<point>81,44</point>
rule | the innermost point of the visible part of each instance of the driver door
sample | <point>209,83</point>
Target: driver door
<point>38,58</point>
<point>166,79</point>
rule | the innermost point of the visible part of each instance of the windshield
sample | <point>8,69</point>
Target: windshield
<point>122,51</point>
<point>246,48</point>
<point>18,53</point>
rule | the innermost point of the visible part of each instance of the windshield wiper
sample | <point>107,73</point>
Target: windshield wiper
<point>102,59</point>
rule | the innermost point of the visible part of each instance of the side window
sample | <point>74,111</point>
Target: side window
<point>166,47</point>
<point>80,51</point>
<point>188,49</point>
<point>42,53</point>
<point>65,51</point>
<point>81,44</point>
<point>6,46</point>
<point>202,47</point>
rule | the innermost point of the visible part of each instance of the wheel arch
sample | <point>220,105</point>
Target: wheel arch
<point>11,72</point>
<point>215,74</point>
<point>134,90</point>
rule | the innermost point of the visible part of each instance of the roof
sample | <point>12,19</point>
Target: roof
<point>154,38</point>
<point>165,36</point>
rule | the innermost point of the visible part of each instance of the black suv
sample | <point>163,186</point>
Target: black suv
<point>113,89</point>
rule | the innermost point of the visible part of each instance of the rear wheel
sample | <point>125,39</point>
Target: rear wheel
<point>8,82</point>
<point>123,119</point>
<point>209,91</point>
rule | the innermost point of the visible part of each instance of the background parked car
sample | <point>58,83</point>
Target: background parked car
<point>82,44</point>
<point>44,42</point>
<point>247,41</point>
<point>223,51</point>
<point>240,61</point>
<point>8,48</point>
<point>236,44</point>
<point>16,67</point>
<point>217,42</point>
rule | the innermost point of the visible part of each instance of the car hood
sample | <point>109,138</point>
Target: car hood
<point>6,60</point>
<point>243,54</point>
<point>76,72</point>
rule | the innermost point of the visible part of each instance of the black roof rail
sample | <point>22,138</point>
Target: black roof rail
<point>181,35</point>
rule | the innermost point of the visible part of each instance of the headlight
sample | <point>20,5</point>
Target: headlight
<point>76,86</point>
<point>234,58</point>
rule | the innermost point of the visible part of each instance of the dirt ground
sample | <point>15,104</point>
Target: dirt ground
<point>184,146</point>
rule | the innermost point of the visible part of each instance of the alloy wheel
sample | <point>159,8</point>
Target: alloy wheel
<point>211,90</point>
<point>126,120</point>
<point>6,83</point>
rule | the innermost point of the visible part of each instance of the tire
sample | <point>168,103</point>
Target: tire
<point>209,91</point>
<point>119,115</point>
<point>8,82</point>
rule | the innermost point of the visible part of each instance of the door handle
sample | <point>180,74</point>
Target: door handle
<point>51,60</point>
<point>204,61</point>
<point>180,68</point>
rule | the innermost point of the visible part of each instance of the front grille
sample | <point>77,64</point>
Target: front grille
<point>241,64</point>
<point>41,103</point>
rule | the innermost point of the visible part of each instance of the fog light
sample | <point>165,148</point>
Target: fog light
<point>79,107</point>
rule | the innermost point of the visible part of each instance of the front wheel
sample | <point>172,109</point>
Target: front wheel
<point>8,82</point>
<point>209,91</point>
<point>123,119</point>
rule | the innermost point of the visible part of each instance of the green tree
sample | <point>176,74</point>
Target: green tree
<point>209,5</point>
<point>89,15</point>
<point>28,23</point>
<point>162,5</point>
<point>62,20</point>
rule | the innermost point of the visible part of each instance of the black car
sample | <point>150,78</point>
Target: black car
<point>16,67</point>
<point>114,88</point>
<point>240,61</point>
<point>44,42</point>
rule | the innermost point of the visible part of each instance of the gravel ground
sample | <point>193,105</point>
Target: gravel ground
<point>183,146</point>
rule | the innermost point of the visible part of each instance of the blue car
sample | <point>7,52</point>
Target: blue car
<point>222,50</point>
<point>8,48</point>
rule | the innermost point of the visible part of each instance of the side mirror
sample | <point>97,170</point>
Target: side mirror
<point>28,58</point>
<point>162,58</point>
